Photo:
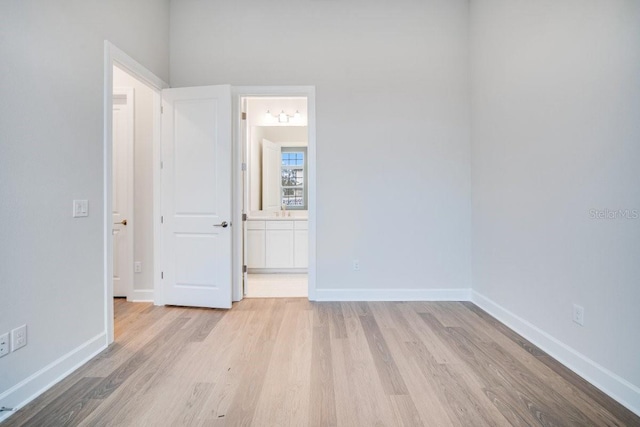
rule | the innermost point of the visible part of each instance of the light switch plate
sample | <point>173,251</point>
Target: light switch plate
<point>80,208</point>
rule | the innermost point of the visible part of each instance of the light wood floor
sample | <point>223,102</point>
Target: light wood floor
<point>290,362</point>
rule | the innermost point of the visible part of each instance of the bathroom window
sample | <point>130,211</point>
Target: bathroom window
<point>294,180</point>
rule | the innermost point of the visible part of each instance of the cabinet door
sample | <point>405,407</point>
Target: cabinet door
<point>279,252</point>
<point>301,248</point>
<point>255,248</point>
<point>271,176</point>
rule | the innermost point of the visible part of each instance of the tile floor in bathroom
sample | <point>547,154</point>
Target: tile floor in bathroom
<point>276,285</point>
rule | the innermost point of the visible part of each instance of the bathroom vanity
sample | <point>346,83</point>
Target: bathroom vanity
<point>277,244</point>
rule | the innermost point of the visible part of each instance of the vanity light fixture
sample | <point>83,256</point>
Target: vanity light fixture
<point>283,117</point>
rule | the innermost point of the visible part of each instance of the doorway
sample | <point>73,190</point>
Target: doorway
<point>146,93</point>
<point>275,195</point>
<point>122,196</point>
<point>132,187</point>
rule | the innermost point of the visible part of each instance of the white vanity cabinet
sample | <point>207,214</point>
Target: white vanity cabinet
<point>255,244</point>
<point>300,244</point>
<point>277,244</point>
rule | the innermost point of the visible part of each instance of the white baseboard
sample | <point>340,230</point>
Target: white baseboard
<point>141,295</point>
<point>613,385</point>
<point>461,294</point>
<point>30,388</point>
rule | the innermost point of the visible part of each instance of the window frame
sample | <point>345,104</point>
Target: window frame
<point>305,199</point>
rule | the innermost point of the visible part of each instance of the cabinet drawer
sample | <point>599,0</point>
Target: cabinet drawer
<point>255,225</point>
<point>279,225</point>
<point>301,225</point>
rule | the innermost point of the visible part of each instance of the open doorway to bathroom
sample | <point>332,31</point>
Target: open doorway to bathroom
<point>276,196</point>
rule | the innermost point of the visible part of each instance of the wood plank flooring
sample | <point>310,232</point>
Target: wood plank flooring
<point>291,362</point>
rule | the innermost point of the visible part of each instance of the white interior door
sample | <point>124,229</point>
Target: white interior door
<point>122,192</point>
<point>196,182</point>
<point>271,176</point>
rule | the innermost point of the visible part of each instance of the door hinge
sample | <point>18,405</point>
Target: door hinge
<point>244,268</point>
<point>162,274</point>
<point>244,216</point>
<point>161,165</point>
<point>162,220</point>
<point>244,116</point>
<point>244,167</point>
<point>161,109</point>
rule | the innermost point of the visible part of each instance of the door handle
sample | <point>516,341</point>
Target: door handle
<point>123,222</point>
<point>223,224</point>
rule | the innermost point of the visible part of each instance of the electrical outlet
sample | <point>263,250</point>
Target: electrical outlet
<point>578,314</point>
<point>137,267</point>
<point>356,265</point>
<point>4,344</point>
<point>18,337</point>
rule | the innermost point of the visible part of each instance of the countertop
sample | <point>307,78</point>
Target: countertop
<point>277,218</point>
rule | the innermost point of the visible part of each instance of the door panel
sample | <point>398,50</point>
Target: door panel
<point>194,156</point>
<point>122,151</point>
<point>271,176</point>
<point>196,181</point>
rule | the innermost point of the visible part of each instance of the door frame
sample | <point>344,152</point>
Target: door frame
<point>114,56</point>
<point>128,94</point>
<point>237,93</point>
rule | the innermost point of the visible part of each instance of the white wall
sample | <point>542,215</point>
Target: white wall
<point>291,136</point>
<point>143,182</point>
<point>556,131</point>
<point>392,122</point>
<point>51,125</point>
